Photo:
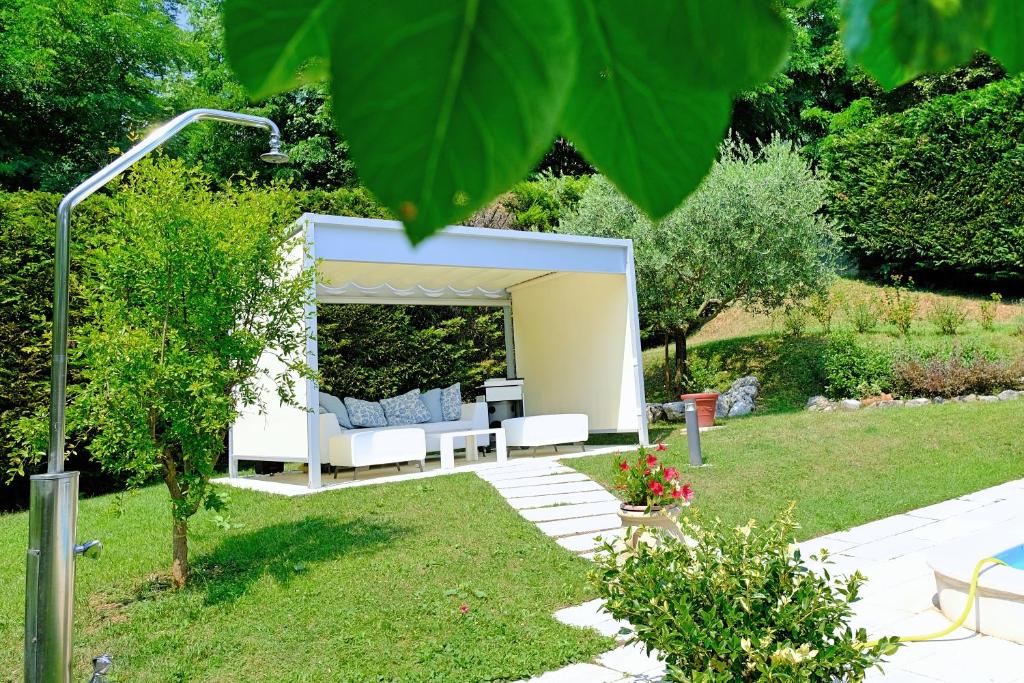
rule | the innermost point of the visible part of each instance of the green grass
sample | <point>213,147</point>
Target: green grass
<point>845,469</point>
<point>356,585</point>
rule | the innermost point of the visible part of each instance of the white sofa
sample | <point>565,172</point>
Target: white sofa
<point>546,430</point>
<point>345,447</point>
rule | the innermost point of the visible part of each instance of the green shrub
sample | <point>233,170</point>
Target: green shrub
<point>737,604</point>
<point>948,315</point>
<point>853,370</point>
<point>794,320</point>
<point>957,372</point>
<point>988,310</point>
<point>823,307</point>
<point>934,190</point>
<point>900,307</point>
<point>707,372</point>
<point>863,314</point>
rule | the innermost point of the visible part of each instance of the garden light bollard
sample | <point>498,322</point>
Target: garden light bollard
<point>692,432</point>
<point>53,512</point>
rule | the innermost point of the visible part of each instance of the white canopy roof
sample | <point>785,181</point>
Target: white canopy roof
<point>570,317</point>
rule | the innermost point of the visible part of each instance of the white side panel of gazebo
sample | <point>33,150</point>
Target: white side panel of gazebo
<point>574,347</point>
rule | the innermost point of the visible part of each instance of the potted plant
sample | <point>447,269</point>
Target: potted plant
<point>706,374</point>
<point>652,493</point>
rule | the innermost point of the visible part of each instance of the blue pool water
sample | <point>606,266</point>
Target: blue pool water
<point>1013,556</point>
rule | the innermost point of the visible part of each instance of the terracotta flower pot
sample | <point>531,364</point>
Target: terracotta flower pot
<point>661,517</point>
<point>706,404</point>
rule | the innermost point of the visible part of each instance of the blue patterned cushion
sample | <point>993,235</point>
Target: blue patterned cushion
<point>451,402</point>
<point>406,409</point>
<point>365,413</point>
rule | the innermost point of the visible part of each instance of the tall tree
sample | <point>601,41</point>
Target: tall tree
<point>77,77</point>
<point>187,290</point>
<point>750,235</point>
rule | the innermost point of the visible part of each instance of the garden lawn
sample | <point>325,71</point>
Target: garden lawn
<point>844,469</point>
<point>363,584</point>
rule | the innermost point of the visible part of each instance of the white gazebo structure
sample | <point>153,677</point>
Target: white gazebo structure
<point>571,327</point>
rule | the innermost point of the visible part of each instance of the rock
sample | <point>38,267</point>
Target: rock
<point>742,406</point>
<point>1009,395</point>
<point>655,412</point>
<point>888,404</point>
<point>675,411</point>
<point>849,404</point>
<point>723,405</point>
<point>938,400</point>
<point>817,403</point>
<point>988,399</point>
<point>969,398</point>
<point>739,398</point>
<point>748,381</point>
<point>918,402</point>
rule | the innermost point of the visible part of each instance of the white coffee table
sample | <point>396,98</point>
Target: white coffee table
<point>447,440</point>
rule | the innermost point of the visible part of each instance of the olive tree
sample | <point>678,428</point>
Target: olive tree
<point>750,235</point>
<point>186,290</point>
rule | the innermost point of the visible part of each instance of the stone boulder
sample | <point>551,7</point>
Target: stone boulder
<point>1009,395</point>
<point>918,402</point>
<point>675,411</point>
<point>739,398</point>
<point>849,404</point>
<point>818,403</point>
<point>655,412</point>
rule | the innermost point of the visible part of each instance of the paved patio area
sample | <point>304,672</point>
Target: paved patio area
<point>891,552</point>
<point>293,481</point>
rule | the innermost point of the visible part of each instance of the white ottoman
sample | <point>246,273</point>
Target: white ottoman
<point>364,447</point>
<point>546,430</point>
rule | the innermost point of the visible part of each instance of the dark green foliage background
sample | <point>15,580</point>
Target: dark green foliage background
<point>934,191</point>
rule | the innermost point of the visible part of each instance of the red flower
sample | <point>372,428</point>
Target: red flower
<point>657,488</point>
<point>661,447</point>
<point>651,460</point>
<point>687,492</point>
<point>647,470</point>
<point>624,466</point>
<point>463,608</point>
<point>677,493</point>
<point>671,473</point>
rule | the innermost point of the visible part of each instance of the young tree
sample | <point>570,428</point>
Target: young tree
<point>750,235</point>
<point>187,289</point>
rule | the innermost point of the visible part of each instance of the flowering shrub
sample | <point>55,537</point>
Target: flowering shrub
<point>646,481</point>
<point>737,604</point>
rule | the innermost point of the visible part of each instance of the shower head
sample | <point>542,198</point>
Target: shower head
<point>275,155</point>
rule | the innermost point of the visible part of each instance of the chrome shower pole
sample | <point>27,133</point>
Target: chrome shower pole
<point>53,512</point>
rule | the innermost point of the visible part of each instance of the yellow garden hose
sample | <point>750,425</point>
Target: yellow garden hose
<point>963,617</point>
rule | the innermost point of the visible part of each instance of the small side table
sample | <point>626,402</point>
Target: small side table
<point>447,440</point>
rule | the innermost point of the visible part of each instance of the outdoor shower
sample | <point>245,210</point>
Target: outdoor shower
<point>53,513</point>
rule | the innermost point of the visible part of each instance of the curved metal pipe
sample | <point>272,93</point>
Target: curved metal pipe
<point>62,264</point>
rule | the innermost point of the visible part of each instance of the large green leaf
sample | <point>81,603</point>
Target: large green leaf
<point>1005,39</point>
<point>898,40</point>
<point>446,104</point>
<point>274,45</point>
<point>653,94</point>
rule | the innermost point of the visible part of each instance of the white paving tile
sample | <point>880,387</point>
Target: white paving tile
<point>887,548</point>
<point>948,508</point>
<point>587,542</point>
<point>552,489</point>
<point>541,480</point>
<point>879,529</point>
<point>586,614</point>
<point>632,659</point>
<point>560,499</point>
<point>569,511</point>
<point>579,673</point>
<point>580,525</point>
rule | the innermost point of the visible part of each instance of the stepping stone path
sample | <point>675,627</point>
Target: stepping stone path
<point>576,511</point>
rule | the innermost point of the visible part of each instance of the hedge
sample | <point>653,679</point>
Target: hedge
<point>934,191</point>
<point>365,350</point>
